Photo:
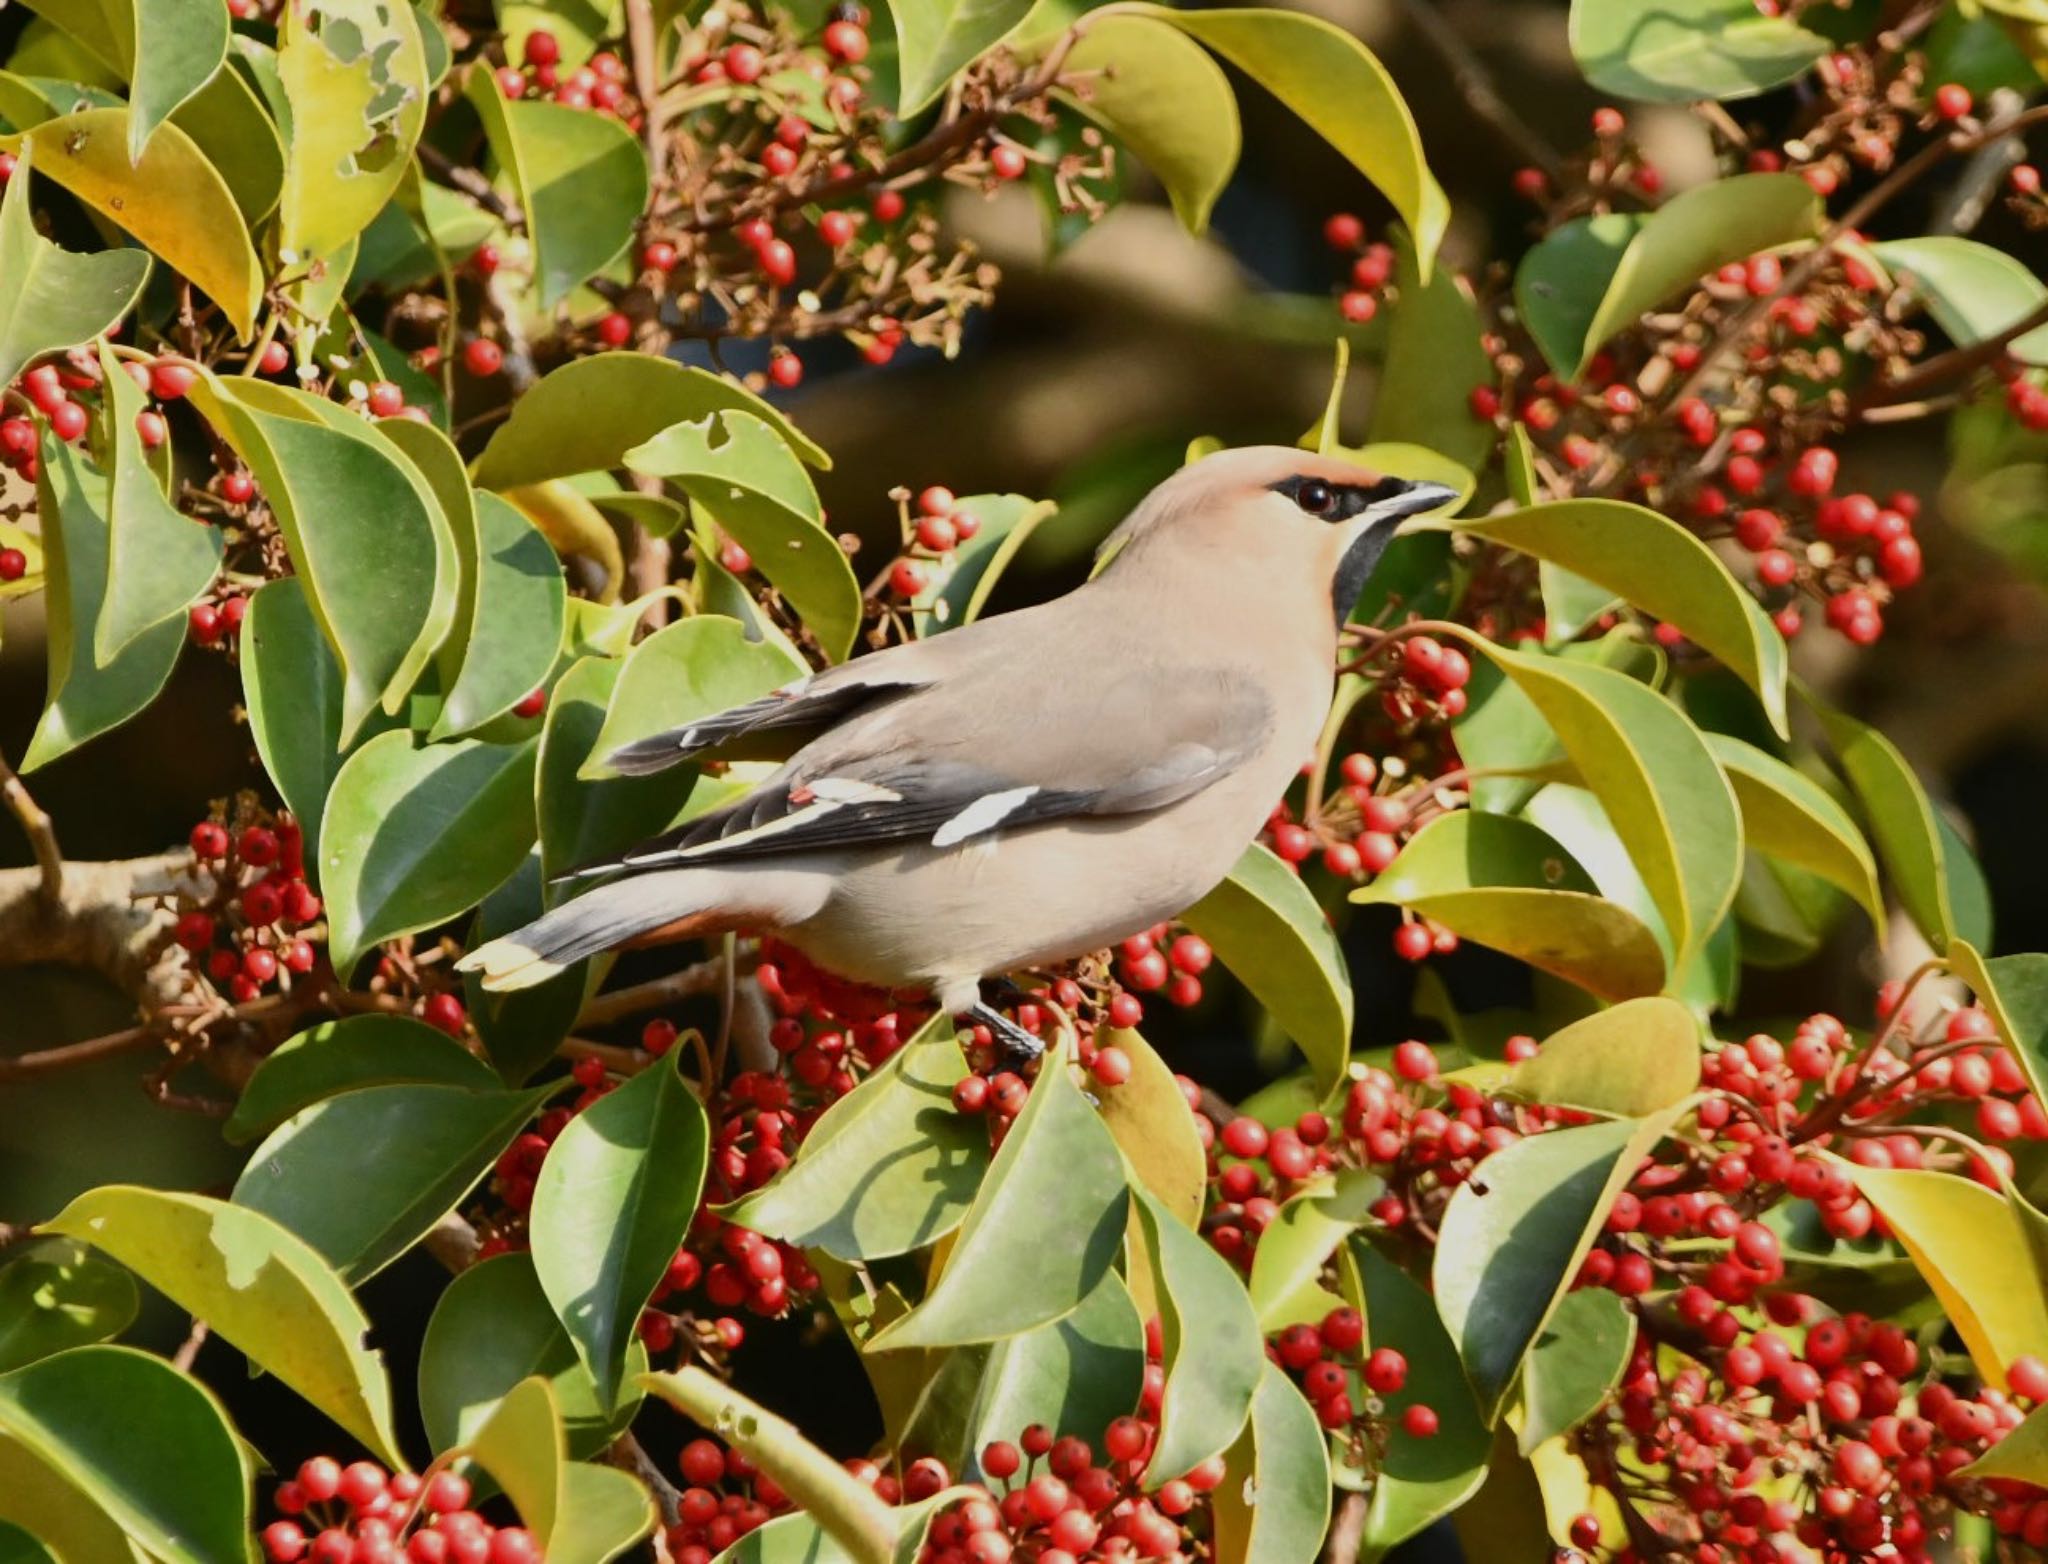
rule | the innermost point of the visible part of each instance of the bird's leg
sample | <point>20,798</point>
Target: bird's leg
<point>1017,1046</point>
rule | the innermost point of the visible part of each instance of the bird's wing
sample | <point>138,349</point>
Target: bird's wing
<point>950,764</point>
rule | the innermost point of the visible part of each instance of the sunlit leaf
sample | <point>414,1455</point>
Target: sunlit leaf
<point>691,669</point>
<point>338,1056</point>
<point>1973,291</point>
<point>54,1295</point>
<point>1575,1364</point>
<point>1687,49</point>
<point>1274,1501</point>
<point>516,623</point>
<point>1434,360</point>
<point>935,38</point>
<point>1149,1116</point>
<point>1299,1243</point>
<point>52,298</point>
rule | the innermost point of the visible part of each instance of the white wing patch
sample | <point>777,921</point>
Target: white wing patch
<point>984,814</point>
<point>847,790</point>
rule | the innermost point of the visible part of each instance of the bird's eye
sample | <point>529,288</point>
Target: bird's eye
<point>1315,497</point>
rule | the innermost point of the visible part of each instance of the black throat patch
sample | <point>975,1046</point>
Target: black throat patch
<point>1356,568</point>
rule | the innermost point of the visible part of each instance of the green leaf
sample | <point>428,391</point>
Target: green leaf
<point>586,415</point>
<point>158,560</point>
<point>1687,49</point>
<point>888,1168</point>
<point>1662,569</point>
<point>292,690</point>
<point>1513,1235</point>
<point>582,820</point>
<point>960,584</point>
<point>53,298</point>
<point>1274,1503</point>
<point>1965,1239</point>
<point>612,1205</point>
<point>1420,1479</point>
<point>1790,816</point>
<point>1641,1056</point>
<point>1269,930</point>
<point>55,1295</point>
<point>693,668</point>
<point>1166,101</point>
<point>523,1446</point>
<point>1083,1371</point>
<point>1973,291</point>
<point>1150,1119</point>
<point>339,1056</point>
<point>739,471</point>
<point>171,49</point>
<point>1933,874</point>
<point>1212,1352</point>
<point>87,1412</point>
<point>36,1494</point>
<point>492,1329</point>
<point>18,1547</point>
<point>1336,86</point>
<point>935,39</point>
<point>172,200</point>
<point>1575,1364</point>
<point>1504,883</point>
<point>1972,49</point>
<point>516,623</point>
<point>362,1177</point>
<point>1043,1231</point>
<point>2014,991</point>
<point>1434,359</point>
<point>257,1285</point>
<point>1562,278</point>
<point>1286,1283</point>
<point>355,75</point>
<point>84,699</point>
<point>581,179</point>
<point>417,834</point>
<point>521,1029</point>
<point>603,1512</point>
<point>452,624</point>
<point>371,568</point>
<point>1652,772</point>
<point>2021,1455</point>
<point>227,122</point>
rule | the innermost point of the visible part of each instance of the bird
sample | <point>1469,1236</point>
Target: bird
<point>1028,787</point>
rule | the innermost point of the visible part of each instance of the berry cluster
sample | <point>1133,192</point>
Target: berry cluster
<point>938,527</point>
<point>250,919</point>
<point>599,85</point>
<point>360,1514</point>
<point>725,1498</point>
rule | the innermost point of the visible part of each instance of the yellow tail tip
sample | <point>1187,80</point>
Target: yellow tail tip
<point>507,965</point>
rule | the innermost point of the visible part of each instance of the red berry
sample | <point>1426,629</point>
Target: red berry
<point>838,228</point>
<point>542,48</point>
<point>1412,942</point>
<point>785,369</point>
<point>615,330</point>
<point>283,1542</point>
<point>1342,231</point>
<point>68,420</point>
<point>531,704</point>
<point>1420,1421</point>
<point>1415,1061</point>
<point>743,63</point>
<point>907,577</point>
<point>1608,122</point>
<point>1358,307</point>
<point>362,1483</point>
<point>1112,1066</point>
<point>1007,162</point>
<point>275,359</point>
<point>169,379</point>
<point>482,357</point>
<point>846,42</point>
<point>778,261</point>
<point>888,205</point>
<point>937,533</point>
<point>444,1012</point>
<point>1952,100</point>
<point>936,500</point>
<point>2026,179</point>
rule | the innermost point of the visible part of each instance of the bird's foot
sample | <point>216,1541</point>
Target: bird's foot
<point>1016,1046</point>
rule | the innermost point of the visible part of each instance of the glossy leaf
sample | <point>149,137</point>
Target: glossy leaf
<point>158,560</point>
<point>1169,104</point>
<point>1300,1242</point>
<point>364,1176</point>
<point>169,49</point>
<point>1932,873</point>
<point>87,1412</point>
<point>53,298</point>
<point>693,668</point>
<point>1274,1502</point>
<point>292,690</point>
<point>1503,882</point>
<point>737,470</point>
<point>523,1027</point>
<point>1212,1352</point>
<point>604,1512</point>
<point>936,38</point>
<point>1150,1119</point>
<point>37,1496</point>
<point>1043,1231</point>
<point>492,1329</point>
<point>339,1056</point>
<point>18,1547</point>
<point>228,123</point>
<point>370,569</point>
<point>1634,1059</point>
<point>581,180</point>
<point>55,1294</point>
<point>1336,86</point>
<point>1513,1235</point>
<point>1662,569</point>
<point>523,1446</point>
<point>172,200</point>
<point>452,625</point>
<point>888,1168</point>
<point>959,586</point>
<point>2021,1455</point>
<point>2013,990</point>
<point>1562,278</point>
<point>1681,50</point>
<point>1652,772</point>
<point>1973,291</point>
<point>586,415</point>
<point>1083,1371</point>
<point>1965,1239</point>
<point>355,75</point>
<point>258,1286</point>
<point>612,1205</point>
<point>418,834</point>
<point>1575,1364</point>
<point>1790,816</point>
<point>1269,930</point>
<point>84,699</point>
<point>1434,359</point>
<point>516,623</point>
<point>1421,1479</point>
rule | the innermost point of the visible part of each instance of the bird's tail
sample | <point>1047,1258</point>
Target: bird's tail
<point>615,914</point>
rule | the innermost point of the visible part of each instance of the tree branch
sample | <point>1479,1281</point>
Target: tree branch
<point>1475,85</point>
<point>42,835</point>
<point>706,977</point>
<point>467,181</point>
<point>1946,366</point>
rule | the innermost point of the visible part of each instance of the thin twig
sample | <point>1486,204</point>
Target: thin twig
<point>1475,85</point>
<point>42,834</point>
<point>1947,366</point>
<point>48,1061</point>
<point>469,182</point>
<point>629,1455</point>
<point>706,977</point>
<point>181,1360</point>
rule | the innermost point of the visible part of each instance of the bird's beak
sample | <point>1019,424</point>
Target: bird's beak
<point>1413,505</point>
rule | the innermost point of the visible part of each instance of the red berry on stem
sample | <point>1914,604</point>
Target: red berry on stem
<point>482,357</point>
<point>1952,100</point>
